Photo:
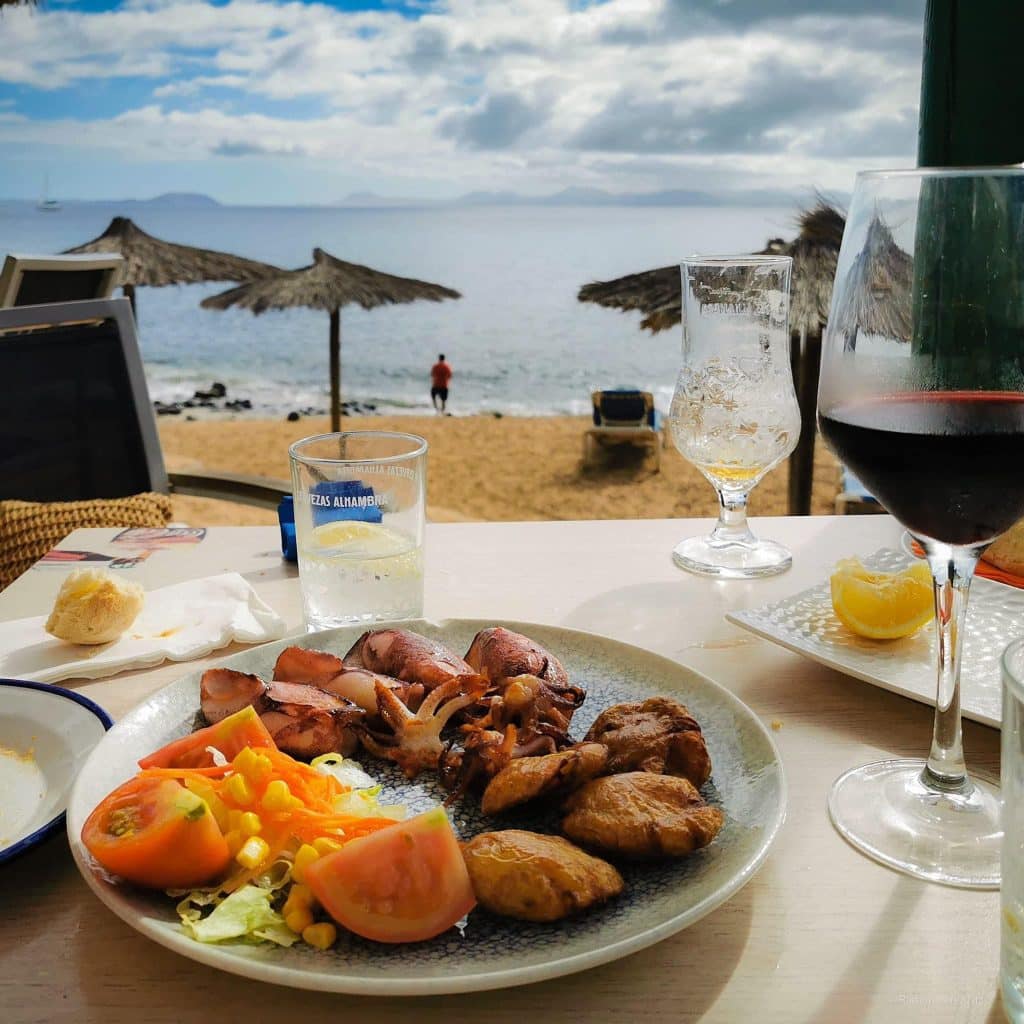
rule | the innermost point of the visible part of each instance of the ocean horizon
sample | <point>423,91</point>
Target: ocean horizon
<point>518,340</point>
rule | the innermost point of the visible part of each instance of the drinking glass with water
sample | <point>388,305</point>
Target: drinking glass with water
<point>359,512</point>
<point>1012,783</point>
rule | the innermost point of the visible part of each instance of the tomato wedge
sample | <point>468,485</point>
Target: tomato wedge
<point>156,833</point>
<point>405,883</point>
<point>242,729</point>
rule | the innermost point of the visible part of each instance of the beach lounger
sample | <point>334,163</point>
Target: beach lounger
<point>623,416</point>
<point>855,499</point>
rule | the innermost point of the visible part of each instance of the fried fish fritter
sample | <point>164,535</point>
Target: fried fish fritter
<point>536,877</point>
<point>526,778</point>
<point>656,735</point>
<point>641,815</point>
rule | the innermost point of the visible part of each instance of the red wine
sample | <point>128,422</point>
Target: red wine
<point>947,465</point>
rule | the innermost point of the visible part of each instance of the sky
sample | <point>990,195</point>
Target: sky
<point>270,102</point>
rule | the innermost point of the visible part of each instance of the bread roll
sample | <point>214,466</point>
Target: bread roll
<point>1006,552</point>
<point>94,607</point>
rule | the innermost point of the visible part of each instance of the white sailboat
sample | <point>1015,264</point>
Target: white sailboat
<point>46,204</point>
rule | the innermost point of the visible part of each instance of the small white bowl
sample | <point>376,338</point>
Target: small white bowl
<point>46,735</point>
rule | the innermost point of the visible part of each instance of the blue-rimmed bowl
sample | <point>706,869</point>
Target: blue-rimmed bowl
<point>46,735</point>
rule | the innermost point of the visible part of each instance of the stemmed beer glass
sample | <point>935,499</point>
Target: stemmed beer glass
<point>922,396</point>
<point>734,413</point>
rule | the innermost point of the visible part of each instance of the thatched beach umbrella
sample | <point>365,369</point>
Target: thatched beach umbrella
<point>154,262</point>
<point>329,283</point>
<point>815,252</point>
<point>658,293</point>
<point>877,298</point>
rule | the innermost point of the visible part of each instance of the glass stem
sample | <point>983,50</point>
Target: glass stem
<point>952,570</point>
<point>732,527</point>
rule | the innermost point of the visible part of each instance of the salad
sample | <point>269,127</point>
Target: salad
<point>255,845</point>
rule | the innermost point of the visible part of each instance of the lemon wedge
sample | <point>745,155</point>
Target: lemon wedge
<point>354,537</point>
<point>882,605</point>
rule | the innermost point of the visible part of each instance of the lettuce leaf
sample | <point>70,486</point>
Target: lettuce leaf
<point>246,913</point>
<point>361,799</point>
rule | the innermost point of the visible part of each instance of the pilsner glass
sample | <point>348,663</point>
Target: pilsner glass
<point>922,395</point>
<point>360,499</point>
<point>1011,972</point>
<point>734,413</point>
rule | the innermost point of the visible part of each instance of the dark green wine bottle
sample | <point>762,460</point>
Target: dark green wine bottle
<point>972,86</point>
<point>967,295</point>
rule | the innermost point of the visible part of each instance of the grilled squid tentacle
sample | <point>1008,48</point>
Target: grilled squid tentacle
<point>415,743</point>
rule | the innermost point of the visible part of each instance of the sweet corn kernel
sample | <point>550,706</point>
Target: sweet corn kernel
<point>299,920</point>
<point>299,897</point>
<point>303,858</point>
<point>220,811</point>
<point>235,841</point>
<point>253,853</point>
<point>255,767</point>
<point>243,760</point>
<point>239,790</point>
<point>278,796</point>
<point>249,824</point>
<point>323,845</point>
<point>321,935</point>
<point>201,787</point>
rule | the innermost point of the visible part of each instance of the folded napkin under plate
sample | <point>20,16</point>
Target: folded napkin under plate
<point>177,623</point>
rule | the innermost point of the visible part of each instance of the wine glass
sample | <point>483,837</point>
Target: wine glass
<point>734,413</point>
<point>922,396</point>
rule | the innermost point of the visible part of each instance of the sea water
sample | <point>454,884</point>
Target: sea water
<point>368,573</point>
<point>518,340</point>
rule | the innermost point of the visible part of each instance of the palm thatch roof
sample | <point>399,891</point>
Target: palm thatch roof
<point>328,284</point>
<point>154,262</point>
<point>815,250</point>
<point>17,3</point>
<point>876,296</point>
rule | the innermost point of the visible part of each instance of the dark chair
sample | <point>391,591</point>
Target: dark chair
<point>33,280</point>
<point>77,422</point>
<point>623,416</point>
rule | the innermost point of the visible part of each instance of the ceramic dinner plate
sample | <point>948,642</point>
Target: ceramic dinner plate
<point>46,734</point>
<point>662,898</point>
<point>806,624</point>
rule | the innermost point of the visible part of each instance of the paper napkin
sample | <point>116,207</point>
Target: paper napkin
<point>177,623</point>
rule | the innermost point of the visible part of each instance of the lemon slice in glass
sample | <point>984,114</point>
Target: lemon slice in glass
<point>882,605</point>
<point>352,537</point>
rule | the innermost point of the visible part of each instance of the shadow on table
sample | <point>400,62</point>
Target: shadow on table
<point>117,967</point>
<point>851,996</point>
<point>893,723</point>
<point>639,611</point>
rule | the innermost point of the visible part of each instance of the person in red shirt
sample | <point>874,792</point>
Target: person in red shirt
<point>440,374</point>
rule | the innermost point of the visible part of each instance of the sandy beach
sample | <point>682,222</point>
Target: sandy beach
<point>484,468</point>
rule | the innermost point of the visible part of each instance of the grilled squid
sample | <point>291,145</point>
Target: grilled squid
<point>414,739</point>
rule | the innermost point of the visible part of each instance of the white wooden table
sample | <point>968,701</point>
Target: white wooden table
<point>821,934</point>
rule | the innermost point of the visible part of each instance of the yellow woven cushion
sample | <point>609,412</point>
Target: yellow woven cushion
<point>29,529</point>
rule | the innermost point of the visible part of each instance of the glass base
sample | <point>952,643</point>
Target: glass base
<point>732,559</point>
<point>886,811</point>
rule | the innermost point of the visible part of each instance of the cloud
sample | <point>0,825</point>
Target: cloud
<point>526,94</point>
<point>498,122</point>
<point>241,147</point>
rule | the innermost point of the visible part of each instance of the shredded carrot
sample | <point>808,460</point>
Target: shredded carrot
<point>318,793</point>
<point>184,773</point>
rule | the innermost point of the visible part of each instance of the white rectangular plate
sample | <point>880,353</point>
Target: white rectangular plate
<point>806,624</point>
